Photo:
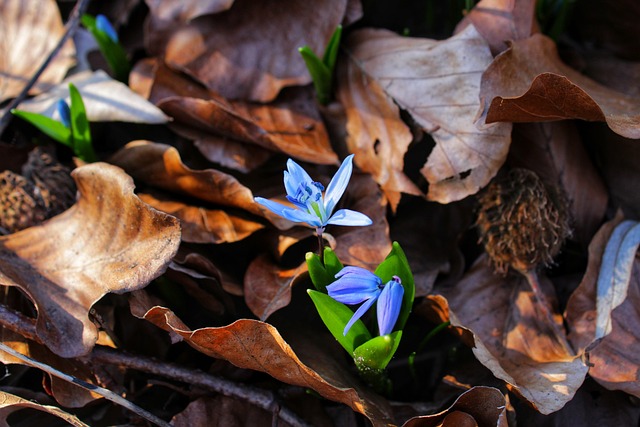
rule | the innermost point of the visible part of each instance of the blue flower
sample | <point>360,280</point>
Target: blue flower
<point>356,285</point>
<point>64,112</point>
<point>104,26</point>
<point>311,206</point>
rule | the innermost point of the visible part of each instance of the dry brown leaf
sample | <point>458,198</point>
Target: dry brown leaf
<point>10,403</point>
<point>438,84</point>
<point>269,353</point>
<point>514,338</point>
<point>554,151</point>
<point>529,83</point>
<point>376,133</point>
<point>201,267</point>
<point>202,225</point>
<point>479,406</point>
<point>185,11</point>
<point>109,241</point>
<point>291,124</point>
<point>499,21</point>
<point>250,51</point>
<point>29,30</point>
<point>615,360</point>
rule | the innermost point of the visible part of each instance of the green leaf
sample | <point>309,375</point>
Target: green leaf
<point>331,53</point>
<point>323,275</point>
<point>320,74</point>
<point>396,264</point>
<point>112,51</point>
<point>47,125</point>
<point>80,131</point>
<point>335,316</point>
<point>377,352</point>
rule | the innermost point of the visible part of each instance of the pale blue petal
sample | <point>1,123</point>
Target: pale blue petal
<point>389,305</point>
<point>275,207</point>
<point>358,271</point>
<point>349,217</point>
<point>338,184</point>
<point>353,288</point>
<point>358,314</point>
<point>297,215</point>
<point>295,176</point>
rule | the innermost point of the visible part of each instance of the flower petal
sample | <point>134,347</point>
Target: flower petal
<point>294,176</point>
<point>349,217</point>
<point>358,314</point>
<point>275,207</point>
<point>297,215</point>
<point>338,184</point>
<point>353,290</point>
<point>389,305</point>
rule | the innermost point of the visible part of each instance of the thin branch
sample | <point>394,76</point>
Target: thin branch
<point>25,326</point>
<point>107,394</point>
<point>70,29</point>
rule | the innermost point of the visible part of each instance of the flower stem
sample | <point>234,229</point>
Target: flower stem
<point>319,231</point>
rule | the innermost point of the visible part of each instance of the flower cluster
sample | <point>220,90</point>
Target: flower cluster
<point>311,206</point>
<point>356,285</point>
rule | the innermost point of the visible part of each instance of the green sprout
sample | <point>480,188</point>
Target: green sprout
<point>553,16</point>
<point>109,45</point>
<point>73,128</point>
<point>321,70</point>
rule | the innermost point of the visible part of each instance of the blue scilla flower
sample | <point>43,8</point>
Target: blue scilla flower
<point>64,112</point>
<point>311,206</point>
<point>104,26</point>
<point>356,285</point>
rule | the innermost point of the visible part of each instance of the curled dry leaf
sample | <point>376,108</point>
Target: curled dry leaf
<point>105,99</point>
<point>438,85</point>
<point>375,131</point>
<point>291,124</point>
<point>272,355</point>
<point>479,406</point>
<point>10,403</point>
<point>614,359</point>
<point>109,241</point>
<point>499,21</point>
<point>250,51</point>
<point>513,337</point>
<point>30,31</point>
<point>529,83</point>
<point>185,11</point>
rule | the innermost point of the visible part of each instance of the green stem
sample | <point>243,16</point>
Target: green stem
<point>319,231</point>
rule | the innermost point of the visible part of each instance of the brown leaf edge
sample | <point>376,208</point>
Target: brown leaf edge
<point>10,403</point>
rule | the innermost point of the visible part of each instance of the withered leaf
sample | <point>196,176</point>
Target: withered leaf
<point>184,11</point>
<point>291,124</point>
<point>438,84</point>
<point>31,29</point>
<point>109,241</point>
<point>529,83</point>
<point>479,406</point>
<point>272,355</point>
<point>250,51</point>
<point>10,403</point>
<point>514,338</point>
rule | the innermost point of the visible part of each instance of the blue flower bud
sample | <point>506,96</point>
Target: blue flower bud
<point>65,113</point>
<point>104,26</point>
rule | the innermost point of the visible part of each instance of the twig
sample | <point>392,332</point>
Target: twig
<point>25,326</point>
<point>70,28</point>
<point>107,394</point>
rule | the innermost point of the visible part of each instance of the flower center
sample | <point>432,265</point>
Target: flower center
<point>309,197</point>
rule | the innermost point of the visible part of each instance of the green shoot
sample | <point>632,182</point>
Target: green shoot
<point>110,48</point>
<point>322,70</point>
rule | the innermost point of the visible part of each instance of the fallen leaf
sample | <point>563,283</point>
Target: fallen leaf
<point>31,29</point>
<point>376,133</point>
<point>438,85</point>
<point>10,403</point>
<point>514,338</point>
<point>226,52</point>
<point>272,355</point>
<point>201,267</point>
<point>105,99</point>
<point>479,406</point>
<point>499,21</point>
<point>291,124</point>
<point>185,11</point>
<point>202,225</point>
<point>529,83</point>
<point>109,241</point>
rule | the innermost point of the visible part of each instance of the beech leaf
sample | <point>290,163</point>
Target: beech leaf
<point>438,84</point>
<point>10,403</point>
<point>109,241</point>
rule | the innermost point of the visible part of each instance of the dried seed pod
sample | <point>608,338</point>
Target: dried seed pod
<point>522,222</point>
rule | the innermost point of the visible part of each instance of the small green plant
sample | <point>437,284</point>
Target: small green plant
<point>553,16</point>
<point>73,128</point>
<point>322,70</point>
<point>107,39</point>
